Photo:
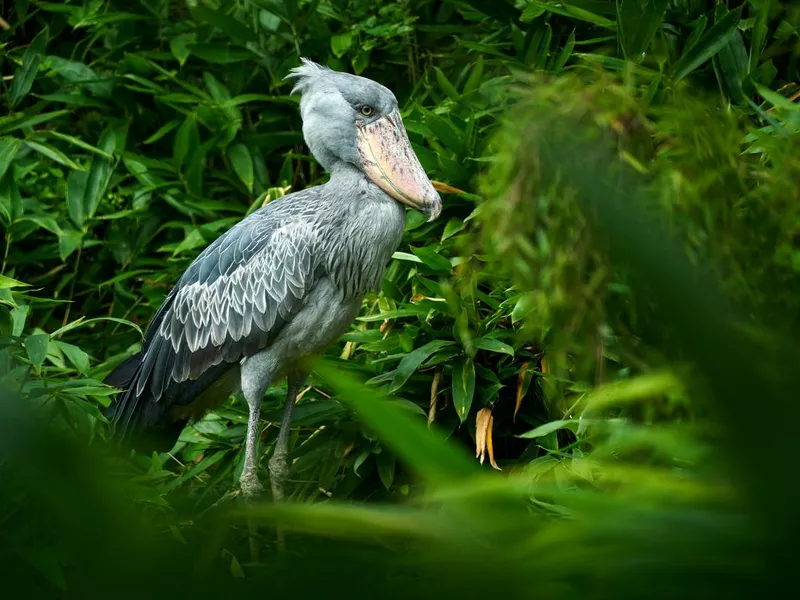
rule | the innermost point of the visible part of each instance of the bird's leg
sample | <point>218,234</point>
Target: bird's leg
<point>248,480</point>
<point>278,465</point>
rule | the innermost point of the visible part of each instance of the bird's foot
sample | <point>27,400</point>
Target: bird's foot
<point>251,486</point>
<point>278,475</point>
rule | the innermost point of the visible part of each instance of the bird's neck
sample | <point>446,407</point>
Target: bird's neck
<point>369,227</point>
<point>345,174</point>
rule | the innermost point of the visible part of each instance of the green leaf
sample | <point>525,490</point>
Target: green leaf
<point>453,226</point>
<point>492,345</point>
<point>395,314</point>
<point>630,390</point>
<point>360,459</point>
<point>8,150</point>
<point>10,199</point>
<point>550,427</point>
<point>411,362</point>
<point>36,346</point>
<point>565,53</point>
<point>82,322</point>
<point>215,87</point>
<point>445,133</point>
<point>19,315</point>
<point>445,85</point>
<point>407,257</point>
<point>424,450</point>
<point>26,73</point>
<point>162,131</point>
<point>268,20</point>
<point>360,62</point>
<point>79,143</point>
<point>187,141</point>
<point>341,43</point>
<point>76,192</point>
<point>8,283</point>
<point>463,387</point>
<point>82,75</point>
<point>330,519</point>
<point>567,10</point>
<point>68,242</point>
<point>235,29</point>
<point>638,22</point>
<point>776,99</point>
<point>222,54</point>
<point>432,260</point>
<point>759,35</point>
<point>23,121</point>
<point>179,46</point>
<point>386,467</point>
<point>475,77</point>
<point>209,461</point>
<point>242,164</point>
<point>53,154</point>
<point>707,46</point>
<point>76,356</point>
<point>99,173</point>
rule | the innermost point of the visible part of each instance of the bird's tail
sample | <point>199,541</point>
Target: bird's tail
<point>130,425</point>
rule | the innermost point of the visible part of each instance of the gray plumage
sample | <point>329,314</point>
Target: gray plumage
<point>284,283</point>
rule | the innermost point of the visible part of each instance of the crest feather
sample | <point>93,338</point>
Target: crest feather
<point>305,74</point>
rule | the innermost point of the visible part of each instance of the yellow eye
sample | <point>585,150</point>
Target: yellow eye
<point>367,111</point>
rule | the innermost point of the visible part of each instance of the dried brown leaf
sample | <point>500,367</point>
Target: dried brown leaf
<point>434,397</point>
<point>482,420</point>
<point>446,189</point>
<point>490,444</point>
<point>522,380</point>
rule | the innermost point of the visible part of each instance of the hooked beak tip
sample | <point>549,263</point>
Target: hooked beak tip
<point>433,207</point>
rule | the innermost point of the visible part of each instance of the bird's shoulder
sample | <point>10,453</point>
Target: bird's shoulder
<point>279,235</point>
<point>291,218</point>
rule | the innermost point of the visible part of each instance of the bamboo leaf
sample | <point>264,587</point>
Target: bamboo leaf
<point>26,73</point>
<point>242,164</point>
<point>99,173</point>
<point>707,46</point>
<point>638,22</point>
<point>492,345</point>
<point>463,386</point>
<point>408,436</point>
<point>411,361</point>
<point>53,154</point>
<point>36,346</point>
<point>548,428</point>
<point>8,149</point>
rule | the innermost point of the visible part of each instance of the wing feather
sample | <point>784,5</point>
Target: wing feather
<point>232,300</point>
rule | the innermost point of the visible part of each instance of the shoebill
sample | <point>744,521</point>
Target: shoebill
<point>284,283</point>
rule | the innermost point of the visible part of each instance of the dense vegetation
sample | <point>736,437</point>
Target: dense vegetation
<point>606,310</point>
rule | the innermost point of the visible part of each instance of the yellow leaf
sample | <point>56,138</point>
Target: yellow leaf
<point>481,427</point>
<point>489,444</point>
<point>434,397</point>
<point>524,376</point>
<point>446,189</point>
<point>386,328</point>
<point>274,193</point>
<point>484,421</point>
<point>347,352</point>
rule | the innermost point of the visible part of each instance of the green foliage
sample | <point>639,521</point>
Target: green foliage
<point>621,174</point>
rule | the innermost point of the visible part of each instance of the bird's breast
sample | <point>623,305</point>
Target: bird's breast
<point>362,246</point>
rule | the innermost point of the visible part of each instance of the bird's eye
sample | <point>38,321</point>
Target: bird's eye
<point>366,110</point>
